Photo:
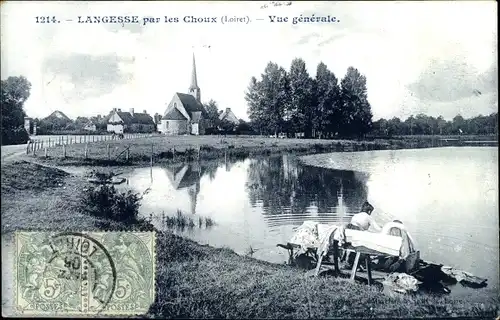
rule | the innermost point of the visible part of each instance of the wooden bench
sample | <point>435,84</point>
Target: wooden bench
<point>334,252</point>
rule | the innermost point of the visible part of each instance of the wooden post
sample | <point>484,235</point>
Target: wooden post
<point>45,152</point>
<point>64,150</point>
<point>34,148</point>
<point>86,150</point>
<point>80,139</point>
<point>199,149</point>
<point>336,255</point>
<point>107,150</point>
<point>152,154</point>
<point>84,139</point>
<point>369,269</point>
<point>49,143</point>
<point>28,147</point>
<point>355,266</point>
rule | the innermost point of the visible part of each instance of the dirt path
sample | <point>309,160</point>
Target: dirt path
<point>14,153</point>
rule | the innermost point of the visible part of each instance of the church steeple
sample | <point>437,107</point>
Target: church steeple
<point>194,90</point>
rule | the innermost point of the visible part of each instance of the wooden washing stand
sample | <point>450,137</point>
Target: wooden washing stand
<point>334,251</point>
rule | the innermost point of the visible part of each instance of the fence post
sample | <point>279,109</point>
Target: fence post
<point>49,143</point>
<point>107,150</point>
<point>199,149</point>
<point>34,148</point>
<point>93,138</point>
<point>80,139</point>
<point>64,150</point>
<point>28,147</point>
<point>86,150</point>
<point>152,154</point>
<point>85,139</point>
<point>45,152</point>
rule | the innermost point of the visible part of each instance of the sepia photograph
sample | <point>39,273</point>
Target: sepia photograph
<point>249,159</point>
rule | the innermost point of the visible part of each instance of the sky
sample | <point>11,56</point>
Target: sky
<point>437,58</point>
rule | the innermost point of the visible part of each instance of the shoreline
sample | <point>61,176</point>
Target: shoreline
<point>162,150</point>
<point>238,286</point>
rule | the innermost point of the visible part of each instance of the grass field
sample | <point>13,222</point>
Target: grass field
<point>181,148</point>
<point>196,281</point>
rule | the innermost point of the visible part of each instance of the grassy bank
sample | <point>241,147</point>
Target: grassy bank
<point>199,281</point>
<point>163,149</point>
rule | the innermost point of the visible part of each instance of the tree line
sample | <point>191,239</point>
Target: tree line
<point>428,125</point>
<point>299,105</point>
<point>55,125</point>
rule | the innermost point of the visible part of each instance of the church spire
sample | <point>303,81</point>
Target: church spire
<point>194,90</point>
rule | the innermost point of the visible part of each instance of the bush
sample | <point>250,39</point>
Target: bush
<point>14,136</point>
<point>105,202</point>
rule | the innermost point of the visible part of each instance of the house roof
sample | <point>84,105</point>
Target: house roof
<point>174,114</point>
<point>58,114</point>
<point>228,115</point>
<point>138,118</point>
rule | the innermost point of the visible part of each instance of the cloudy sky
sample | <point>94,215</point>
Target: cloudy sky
<point>433,57</point>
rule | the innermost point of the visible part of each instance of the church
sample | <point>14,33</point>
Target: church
<point>185,114</point>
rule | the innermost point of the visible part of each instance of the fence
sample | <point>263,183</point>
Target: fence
<point>46,142</point>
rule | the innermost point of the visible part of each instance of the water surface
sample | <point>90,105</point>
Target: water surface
<point>447,198</point>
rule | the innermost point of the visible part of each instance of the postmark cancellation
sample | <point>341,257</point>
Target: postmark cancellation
<point>86,273</point>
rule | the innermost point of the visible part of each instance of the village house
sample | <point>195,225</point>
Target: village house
<point>120,122</point>
<point>228,115</point>
<point>90,126</point>
<point>185,114</point>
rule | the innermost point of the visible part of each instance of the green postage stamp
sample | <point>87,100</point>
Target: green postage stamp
<point>85,273</point>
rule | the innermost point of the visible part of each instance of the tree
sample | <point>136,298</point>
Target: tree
<point>256,108</point>
<point>268,99</point>
<point>300,109</point>
<point>327,95</point>
<point>458,124</point>
<point>212,113</point>
<point>356,115</point>
<point>15,91</point>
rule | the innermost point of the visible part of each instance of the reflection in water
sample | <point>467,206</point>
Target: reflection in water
<point>447,198</point>
<point>282,187</point>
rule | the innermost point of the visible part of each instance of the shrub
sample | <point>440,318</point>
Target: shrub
<point>106,202</point>
<point>14,136</point>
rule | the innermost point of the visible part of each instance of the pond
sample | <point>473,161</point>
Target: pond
<point>446,197</point>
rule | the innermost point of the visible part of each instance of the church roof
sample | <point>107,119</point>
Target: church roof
<point>190,103</point>
<point>174,114</point>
